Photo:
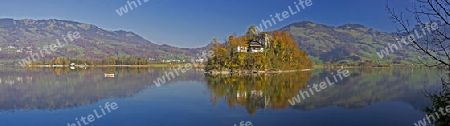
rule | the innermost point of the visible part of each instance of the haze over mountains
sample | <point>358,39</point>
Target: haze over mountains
<point>348,43</point>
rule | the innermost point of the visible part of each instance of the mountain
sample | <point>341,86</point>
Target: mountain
<point>20,38</point>
<point>347,44</point>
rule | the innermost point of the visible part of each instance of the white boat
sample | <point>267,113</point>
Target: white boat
<point>109,75</point>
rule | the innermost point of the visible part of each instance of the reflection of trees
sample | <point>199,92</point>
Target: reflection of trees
<point>364,87</point>
<point>257,91</point>
<point>55,89</point>
<point>440,99</point>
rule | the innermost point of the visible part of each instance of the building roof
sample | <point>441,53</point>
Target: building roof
<point>254,43</point>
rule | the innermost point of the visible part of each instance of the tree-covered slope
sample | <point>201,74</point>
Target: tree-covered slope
<point>347,44</point>
<point>19,37</point>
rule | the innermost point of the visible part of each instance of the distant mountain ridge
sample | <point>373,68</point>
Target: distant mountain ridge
<point>22,36</point>
<point>346,44</point>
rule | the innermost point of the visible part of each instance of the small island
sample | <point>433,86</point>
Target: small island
<point>258,52</point>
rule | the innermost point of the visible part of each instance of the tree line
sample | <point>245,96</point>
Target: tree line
<point>88,61</point>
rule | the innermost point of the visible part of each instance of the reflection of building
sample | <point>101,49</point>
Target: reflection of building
<point>256,97</point>
<point>257,93</point>
<point>19,79</point>
<point>29,79</point>
<point>242,94</point>
<point>10,82</point>
<point>259,99</point>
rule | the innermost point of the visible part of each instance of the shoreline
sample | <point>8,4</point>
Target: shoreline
<point>255,71</point>
<point>202,66</point>
<point>106,66</point>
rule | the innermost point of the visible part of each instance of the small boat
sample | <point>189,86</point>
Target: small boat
<point>109,75</point>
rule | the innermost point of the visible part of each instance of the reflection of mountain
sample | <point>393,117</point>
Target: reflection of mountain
<point>63,88</point>
<point>257,91</point>
<point>364,87</point>
<point>43,89</point>
<point>369,86</point>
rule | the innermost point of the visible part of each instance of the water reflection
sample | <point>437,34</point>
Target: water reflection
<point>50,89</point>
<point>364,87</point>
<point>438,113</point>
<point>257,91</point>
<point>369,86</point>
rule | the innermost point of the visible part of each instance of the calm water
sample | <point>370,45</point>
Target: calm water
<point>370,97</point>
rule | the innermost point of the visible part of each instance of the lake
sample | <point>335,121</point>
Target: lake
<point>64,97</point>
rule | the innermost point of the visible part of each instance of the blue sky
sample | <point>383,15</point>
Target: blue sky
<point>193,23</point>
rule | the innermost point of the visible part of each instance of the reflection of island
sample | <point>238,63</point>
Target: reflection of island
<point>257,91</point>
<point>364,87</point>
<point>62,88</point>
<point>257,97</point>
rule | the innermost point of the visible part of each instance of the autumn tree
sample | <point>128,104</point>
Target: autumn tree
<point>283,54</point>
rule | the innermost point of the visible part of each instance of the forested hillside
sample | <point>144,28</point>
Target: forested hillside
<point>349,44</point>
<point>19,38</point>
